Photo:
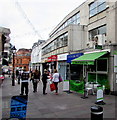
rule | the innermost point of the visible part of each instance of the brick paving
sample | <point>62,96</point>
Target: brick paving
<point>63,105</point>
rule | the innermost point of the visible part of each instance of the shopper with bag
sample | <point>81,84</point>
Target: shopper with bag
<point>35,77</point>
<point>55,80</point>
<point>44,80</point>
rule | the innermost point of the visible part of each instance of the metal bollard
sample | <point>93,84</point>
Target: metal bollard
<point>96,113</point>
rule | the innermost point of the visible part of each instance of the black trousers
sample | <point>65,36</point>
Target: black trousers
<point>44,87</point>
<point>24,85</point>
<point>35,86</point>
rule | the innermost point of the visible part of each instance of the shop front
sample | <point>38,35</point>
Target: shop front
<point>50,63</point>
<point>62,65</point>
<point>74,73</point>
<point>95,68</point>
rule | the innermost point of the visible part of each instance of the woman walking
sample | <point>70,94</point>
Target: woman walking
<point>44,80</point>
<point>35,79</point>
<point>55,80</point>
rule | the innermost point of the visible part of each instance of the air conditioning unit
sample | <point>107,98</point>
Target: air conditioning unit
<point>90,44</point>
<point>98,40</point>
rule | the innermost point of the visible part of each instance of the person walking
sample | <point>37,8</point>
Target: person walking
<point>44,80</point>
<point>35,77</point>
<point>55,80</point>
<point>24,82</point>
<point>17,73</point>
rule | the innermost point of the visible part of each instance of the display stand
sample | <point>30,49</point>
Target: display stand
<point>100,96</point>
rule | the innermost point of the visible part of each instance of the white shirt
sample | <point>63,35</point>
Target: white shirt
<point>55,77</point>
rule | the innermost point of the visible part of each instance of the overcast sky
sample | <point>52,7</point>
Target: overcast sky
<point>24,17</point>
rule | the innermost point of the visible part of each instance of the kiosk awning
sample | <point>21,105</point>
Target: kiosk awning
<point>88,59</point>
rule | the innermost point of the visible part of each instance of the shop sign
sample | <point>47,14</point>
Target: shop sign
<point>52,58</point>
<point>49,59</point>
<point>73,56</point>
<point>62,57</point>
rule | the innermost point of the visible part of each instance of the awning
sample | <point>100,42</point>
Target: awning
<point>88,59</point>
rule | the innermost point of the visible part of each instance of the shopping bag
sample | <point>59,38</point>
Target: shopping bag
<point>52,87</point>
<point>60,78</point>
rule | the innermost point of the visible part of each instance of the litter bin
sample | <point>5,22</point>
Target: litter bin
<point>96,113</point>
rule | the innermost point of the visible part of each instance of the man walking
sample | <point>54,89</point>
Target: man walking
<point>24,82</point>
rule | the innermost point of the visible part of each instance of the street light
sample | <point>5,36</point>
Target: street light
<point>13,76</point>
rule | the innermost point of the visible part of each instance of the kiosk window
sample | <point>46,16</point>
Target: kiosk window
<point>102,65</point>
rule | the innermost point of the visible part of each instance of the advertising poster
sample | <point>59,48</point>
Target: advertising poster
<point>18,107</point>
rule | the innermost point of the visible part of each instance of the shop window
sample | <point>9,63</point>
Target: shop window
<point>76,72</point>
<point>102,65</point>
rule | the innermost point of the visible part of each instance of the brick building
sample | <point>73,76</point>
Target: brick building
<point>22,58</point>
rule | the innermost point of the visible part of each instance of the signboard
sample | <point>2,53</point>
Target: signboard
<point>99,94</point>
<point>73,56</point>
<point>52,58</point>
<point>18,107</point>
<point>115,63</point>
<point>62,57</point>
<point>66,85</point>
<point>49,59</point>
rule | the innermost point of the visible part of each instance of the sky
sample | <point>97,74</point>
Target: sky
<point>33,20</point>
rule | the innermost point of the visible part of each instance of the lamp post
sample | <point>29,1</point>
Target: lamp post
<point>13,74</point>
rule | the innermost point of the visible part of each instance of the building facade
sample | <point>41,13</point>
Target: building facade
<point>90,31</point>
<point>22,59</point>
<point>4,47</point>
<point>89,28</point>
<point>36,54</point>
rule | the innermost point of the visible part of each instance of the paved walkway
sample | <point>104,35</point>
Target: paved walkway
<point>63,105</point>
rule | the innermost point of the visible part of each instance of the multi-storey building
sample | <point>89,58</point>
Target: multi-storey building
<point>22,58</point>
<point>4,46</point>
<point>89,29</point>
<point>36,55</point>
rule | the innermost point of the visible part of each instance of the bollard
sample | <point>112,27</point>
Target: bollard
<point>96,113</point>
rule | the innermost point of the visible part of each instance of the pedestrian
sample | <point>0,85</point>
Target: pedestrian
<point>17,73</point>
<point>55,80</point>
<point>35,77</point>
<point>24,82</point>
<point>19,76</point>
<point>44,80</point>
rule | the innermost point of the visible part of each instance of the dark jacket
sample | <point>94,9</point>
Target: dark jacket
<point>44,78</point>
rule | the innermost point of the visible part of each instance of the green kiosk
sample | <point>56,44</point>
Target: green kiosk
<point>95,68</point>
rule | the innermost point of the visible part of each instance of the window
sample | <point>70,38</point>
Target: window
<point>20,61</point>
<point>102,65</point>
<point>97,31</point>
<point>66,39</point>
<point>96,7</point>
